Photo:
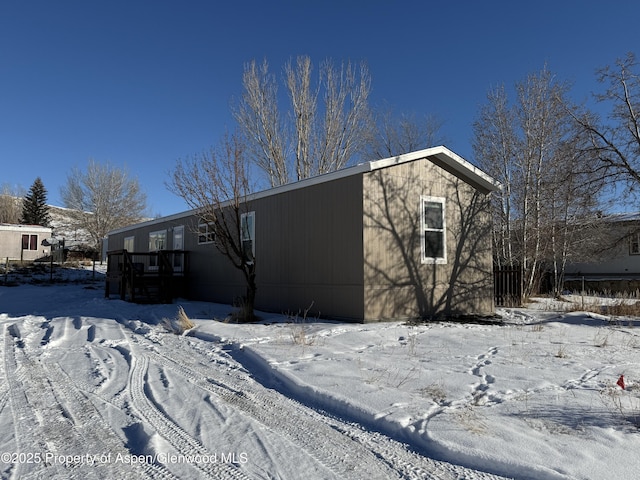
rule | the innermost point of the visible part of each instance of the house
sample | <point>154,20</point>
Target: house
<point>398,238</point>
<point>614,265</point>
<point>23,242</point>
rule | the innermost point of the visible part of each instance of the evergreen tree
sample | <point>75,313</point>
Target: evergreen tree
<point>35,210</point>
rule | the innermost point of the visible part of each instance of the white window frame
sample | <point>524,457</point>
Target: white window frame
<point>634,244</point>
<point>424,228</point>
<point>206,232</point>
<point>177,243</point>
<point>248,234</point>
<point>153,265</point>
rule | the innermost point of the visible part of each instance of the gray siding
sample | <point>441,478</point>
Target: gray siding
<point>308,252</point>
<point>309,249</point>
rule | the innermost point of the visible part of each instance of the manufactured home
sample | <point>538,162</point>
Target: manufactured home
<point>398,238</point>
<point>23,242</point>
<point>614,263</point>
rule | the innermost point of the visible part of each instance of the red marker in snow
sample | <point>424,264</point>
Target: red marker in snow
<point>620,382</point>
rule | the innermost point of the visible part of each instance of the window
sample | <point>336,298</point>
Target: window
<point>157,241</point>
<point>634,247</point>
<point>206,233</point>
<point>178,244</point>
<point>433,225</point>
<point>30,242</point>
<point>129,243</point>
<point>247,235</point>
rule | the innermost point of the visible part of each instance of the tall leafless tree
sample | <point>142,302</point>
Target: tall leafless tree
<point>397,134</point>
<point>324,129</point>
<point>495,146</point>
<point>615,139</point>
<point>102,199</point>
<point>216,184</point>
<point>549,185</point>
<point>10,204</point>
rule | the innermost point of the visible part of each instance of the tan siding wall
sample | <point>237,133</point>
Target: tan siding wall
<point>397,283</point>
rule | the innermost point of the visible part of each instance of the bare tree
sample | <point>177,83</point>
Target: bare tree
<point>616,139</point>
<point>10,204</point>
<point>260,121</point>
<point>102,199</point>
<point>397,134</point>
<point>549,188</point>
<point>311,139</point>
<point>216,185</point>
<point>495,146</point>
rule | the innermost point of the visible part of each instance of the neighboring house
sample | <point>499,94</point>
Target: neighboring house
<point>23,242</point>
<point>616,267</point>
<point>403,237</point>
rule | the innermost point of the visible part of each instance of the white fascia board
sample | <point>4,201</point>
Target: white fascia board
<point>445,156</point>
<point>440,153</point>
<point>8,227</point>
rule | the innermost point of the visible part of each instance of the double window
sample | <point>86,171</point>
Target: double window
<point>433,230</point>
<point>29,242</point>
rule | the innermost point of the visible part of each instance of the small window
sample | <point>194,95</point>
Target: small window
<point>157,241</point>
<point>634,246</point>
<point>30,242</point>
<point>129,243</point>
<point>247,232</point>
<point>178,245</point>
<point>433,234</point>
<point>206,233</point>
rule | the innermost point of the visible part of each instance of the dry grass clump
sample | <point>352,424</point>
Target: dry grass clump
<point>299,330</point>
<point>620,305</point>
<point>180,324</point>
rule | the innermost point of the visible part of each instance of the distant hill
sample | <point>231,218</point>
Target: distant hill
<point>64,226</point>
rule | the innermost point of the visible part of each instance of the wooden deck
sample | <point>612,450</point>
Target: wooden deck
<point>146,277</point>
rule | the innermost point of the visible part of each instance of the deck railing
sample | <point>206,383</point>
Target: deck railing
<point>146,277</point>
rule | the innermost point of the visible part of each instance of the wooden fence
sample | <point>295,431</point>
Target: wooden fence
<point>507,286</point>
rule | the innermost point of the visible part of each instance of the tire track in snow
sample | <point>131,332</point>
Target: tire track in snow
<point>303,427</point>
<point>346,449</point>
<point>30,437</point>
<point>97,432</point>
<point>176,436</point>
<point>55,421</point>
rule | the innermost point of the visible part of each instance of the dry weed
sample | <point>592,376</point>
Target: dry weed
<point>180,324</point>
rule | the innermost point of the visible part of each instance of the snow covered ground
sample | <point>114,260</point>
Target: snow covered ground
<point>97,388</point>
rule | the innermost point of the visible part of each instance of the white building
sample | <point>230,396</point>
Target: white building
<point>23,242</point>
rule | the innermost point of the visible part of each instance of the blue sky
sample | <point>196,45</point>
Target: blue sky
<point>142,83</point>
